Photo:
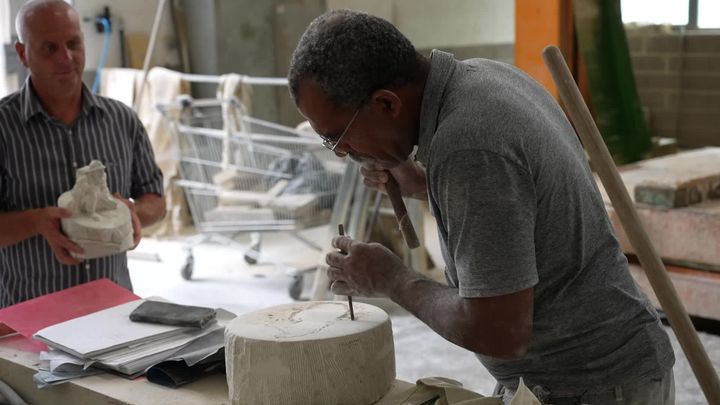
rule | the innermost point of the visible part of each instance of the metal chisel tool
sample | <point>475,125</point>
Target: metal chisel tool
<point>341,231</point>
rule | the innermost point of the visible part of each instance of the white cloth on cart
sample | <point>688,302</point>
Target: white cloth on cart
<point>163,86</point>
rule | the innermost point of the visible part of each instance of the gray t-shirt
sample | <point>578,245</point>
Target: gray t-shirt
<point>517,207</point>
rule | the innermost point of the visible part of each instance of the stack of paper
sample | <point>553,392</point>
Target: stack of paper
<point>108,339</point>
<point>28,317</point>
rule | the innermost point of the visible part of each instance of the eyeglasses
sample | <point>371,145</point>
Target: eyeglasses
<point>329,143</point>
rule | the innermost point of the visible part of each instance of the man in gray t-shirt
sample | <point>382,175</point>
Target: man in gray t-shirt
<point>538,285</point>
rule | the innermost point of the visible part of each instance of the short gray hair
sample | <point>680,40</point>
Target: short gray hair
<point>351,54</point>
<point>28,9</point>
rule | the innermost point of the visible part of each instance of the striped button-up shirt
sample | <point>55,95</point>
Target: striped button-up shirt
<point>38,159</point>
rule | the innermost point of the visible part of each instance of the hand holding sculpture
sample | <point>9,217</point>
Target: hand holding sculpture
<point>100,223</point>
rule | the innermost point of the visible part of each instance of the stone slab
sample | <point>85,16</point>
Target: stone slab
<point>687,236</point>
<point>677,180</point>
<point>698,290</point>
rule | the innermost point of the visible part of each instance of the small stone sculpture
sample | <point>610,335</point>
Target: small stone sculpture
<point>100,223</point>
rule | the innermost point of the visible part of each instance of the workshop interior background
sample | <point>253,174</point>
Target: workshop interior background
<point>674,49</point>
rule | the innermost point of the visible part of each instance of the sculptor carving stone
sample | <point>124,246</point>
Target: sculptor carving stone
<point>100,223</point>
<point>310,353</point>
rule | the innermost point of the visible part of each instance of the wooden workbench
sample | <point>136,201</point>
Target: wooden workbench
<point>18,363</point>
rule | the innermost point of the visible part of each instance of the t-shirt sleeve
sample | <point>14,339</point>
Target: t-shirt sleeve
<point>488,207</point>
<point>146,175</point>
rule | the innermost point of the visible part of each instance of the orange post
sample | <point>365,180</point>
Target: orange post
<point>537,25</point>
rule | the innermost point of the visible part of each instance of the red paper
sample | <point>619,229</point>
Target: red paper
<point>30,316</point>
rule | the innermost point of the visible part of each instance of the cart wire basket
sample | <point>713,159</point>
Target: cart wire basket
<point>241,174</point>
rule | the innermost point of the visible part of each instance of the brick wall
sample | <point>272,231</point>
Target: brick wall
<point>678,79</point>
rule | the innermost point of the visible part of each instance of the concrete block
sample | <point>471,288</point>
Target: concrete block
<point>636,43</point>
<point>702,64</point>
<point>664,120</point>
<point>674,63</point>
<point>657,81</point>
<point>655,100</point>
<point>699,82</point>
<point>649,63</point>
<point>702,44</point>
<point>697,138</point>
<point>673,99</point>
<point>663,43</point>
<point>696,101</point>
<point>699,120</point>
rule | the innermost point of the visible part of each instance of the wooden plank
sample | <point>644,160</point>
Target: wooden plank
<point>137,44</point>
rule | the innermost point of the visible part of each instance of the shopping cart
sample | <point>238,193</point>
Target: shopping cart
<point>242,174</point>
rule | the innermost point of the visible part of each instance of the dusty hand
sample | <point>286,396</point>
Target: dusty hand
<point>363,269</point>
<point>409,175</point>
<point>137,227</point>
<point>47,223</point>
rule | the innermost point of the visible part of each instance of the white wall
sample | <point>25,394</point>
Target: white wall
<point>4,39</point>
<point>137,16</point>
<point>433,23</point>
<point>381,8</point>
<point>8,10</point>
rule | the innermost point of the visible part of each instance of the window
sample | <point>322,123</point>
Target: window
<point>691,14</point>
<point>674,12</point>
<point>708,14</point>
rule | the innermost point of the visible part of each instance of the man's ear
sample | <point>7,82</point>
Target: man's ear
<point>20,49</point>
<point>388,101</point>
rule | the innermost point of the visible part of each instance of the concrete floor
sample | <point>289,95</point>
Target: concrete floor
<point>222,279</point>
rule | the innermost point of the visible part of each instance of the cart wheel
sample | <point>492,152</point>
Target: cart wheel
<point>253,253</point>
<point>296,286</point>
<point>187,269</point>
<point>250,258</point>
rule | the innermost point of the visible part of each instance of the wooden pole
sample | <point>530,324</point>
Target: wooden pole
<point>149,52</point>
<point>406,227</point>
<point>623,205</point>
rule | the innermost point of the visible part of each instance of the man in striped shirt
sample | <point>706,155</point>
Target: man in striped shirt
<point>48,129</point>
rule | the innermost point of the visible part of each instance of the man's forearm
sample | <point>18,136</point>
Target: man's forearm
<point>16,227</point>
<point>433,303</point>
<point>475,324</point>
<point>150,208</point>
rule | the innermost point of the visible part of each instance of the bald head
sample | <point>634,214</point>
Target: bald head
<point>51,45</point>
<point>32,8</point>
